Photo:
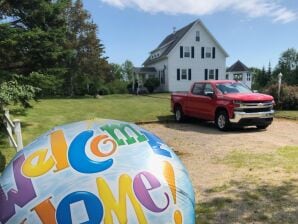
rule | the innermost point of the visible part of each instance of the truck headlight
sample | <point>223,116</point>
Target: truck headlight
<point>237,103</point>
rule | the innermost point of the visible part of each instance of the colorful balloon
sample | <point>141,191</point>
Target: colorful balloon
<point>100,171</point>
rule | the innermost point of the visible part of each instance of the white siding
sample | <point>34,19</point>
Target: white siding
<point>196,64</point>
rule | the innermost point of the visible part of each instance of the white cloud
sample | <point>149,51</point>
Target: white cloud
<point>252,8</point>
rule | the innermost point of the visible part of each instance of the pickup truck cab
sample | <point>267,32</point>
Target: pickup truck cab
<point>225,102</point>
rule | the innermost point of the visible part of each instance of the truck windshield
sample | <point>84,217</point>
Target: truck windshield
<point>235,87</point>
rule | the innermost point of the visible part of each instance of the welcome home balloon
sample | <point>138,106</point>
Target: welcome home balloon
<point>101,171</point>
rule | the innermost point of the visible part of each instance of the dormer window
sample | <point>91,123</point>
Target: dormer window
<point>186,52</point>
<point>197,35</point>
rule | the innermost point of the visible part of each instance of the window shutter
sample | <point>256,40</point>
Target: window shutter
<point>216,74</point>
<point>213,52</point>
<point>189,74</point>
<point>181,51</point>
<point>192,52</point>
<point>202,52</point>
<point>178,74</point>
<point>206,74</point>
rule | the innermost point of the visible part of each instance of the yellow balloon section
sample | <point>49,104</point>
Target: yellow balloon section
<point>100,171</point>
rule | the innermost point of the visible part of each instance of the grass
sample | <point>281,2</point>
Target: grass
<point>288,114</point>
<point>285,157</point>
<point>249,202</point>
<point>253,198</point>
<point>48,113</point>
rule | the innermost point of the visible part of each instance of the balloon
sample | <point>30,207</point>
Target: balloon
<point>99,171</point>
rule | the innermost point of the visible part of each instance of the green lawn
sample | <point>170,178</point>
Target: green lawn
<point>48,113</point>
<point>289,114</point>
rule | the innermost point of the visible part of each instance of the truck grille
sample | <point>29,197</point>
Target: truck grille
<point>255,107</point>
<point>255,110</point>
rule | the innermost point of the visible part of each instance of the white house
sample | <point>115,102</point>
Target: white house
<point>187,55</point>
<point>240,72</point>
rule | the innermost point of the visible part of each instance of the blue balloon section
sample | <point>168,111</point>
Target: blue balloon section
<point>99,171</point>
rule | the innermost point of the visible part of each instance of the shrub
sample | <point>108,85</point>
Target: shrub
<point>103,90</point>
<point>288,96</point>
<point>50,85</point>
<point>151,84</point>
<point>117,87</point>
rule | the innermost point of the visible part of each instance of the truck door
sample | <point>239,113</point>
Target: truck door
<point>194,100</point>
<point>208,101</point>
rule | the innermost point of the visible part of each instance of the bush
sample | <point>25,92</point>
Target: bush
<point>117,87</point>
<point>50,85</point>
<point>288,96</point>
<point>12,92</point>
<point>151,84</point>
<point>103,90</point>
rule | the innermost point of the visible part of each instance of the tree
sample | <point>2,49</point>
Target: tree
<point>127,67</point>
<point>88,69</point>
<point>117,72</point>
<point>288,66</point>
<point>33,38</point>
<point>13,92</point>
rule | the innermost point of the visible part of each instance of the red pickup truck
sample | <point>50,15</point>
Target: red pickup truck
<point>225,102</point>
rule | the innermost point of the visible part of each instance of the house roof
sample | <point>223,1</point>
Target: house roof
<point>172,40</point>
<point>238,66</point>
<point>144,69</point>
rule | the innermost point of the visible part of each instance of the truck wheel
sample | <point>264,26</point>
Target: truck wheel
<point>262,126</point>
<point>179,116</point>
<point>222,121</point>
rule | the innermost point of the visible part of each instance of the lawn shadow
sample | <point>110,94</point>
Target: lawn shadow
<point>18,112</point>
<point>245,202</point>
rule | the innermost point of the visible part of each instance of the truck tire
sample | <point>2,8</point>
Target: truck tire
<point>262,126</point>
<point>222,120</point>
<point>179,116</point>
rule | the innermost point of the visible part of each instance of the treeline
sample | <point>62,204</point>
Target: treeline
<point>266,80</point>
<point>287,65</point>
<point>53,45</point>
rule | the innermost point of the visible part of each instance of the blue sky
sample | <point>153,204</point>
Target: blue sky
<point>254,31</point>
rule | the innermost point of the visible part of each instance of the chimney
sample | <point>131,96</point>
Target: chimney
<point>174,30</point>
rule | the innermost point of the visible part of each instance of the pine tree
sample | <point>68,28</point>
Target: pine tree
<point>88,68</point>
<point>32,37</point>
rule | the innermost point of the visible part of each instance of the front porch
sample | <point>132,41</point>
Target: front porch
<point>140,74</point>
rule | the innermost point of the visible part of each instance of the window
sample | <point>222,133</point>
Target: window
<point>248,77</point>
<point>208,52</point>
<point>183,74</point>
<point>211,74</point>
<point>198,36</point>
<point>186,52</point>
<point>233,88</point>
<point>198,89</point>
<point>227,76</point>
<point>238,77</point>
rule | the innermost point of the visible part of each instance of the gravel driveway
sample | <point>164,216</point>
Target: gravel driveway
<point>200,146</point>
